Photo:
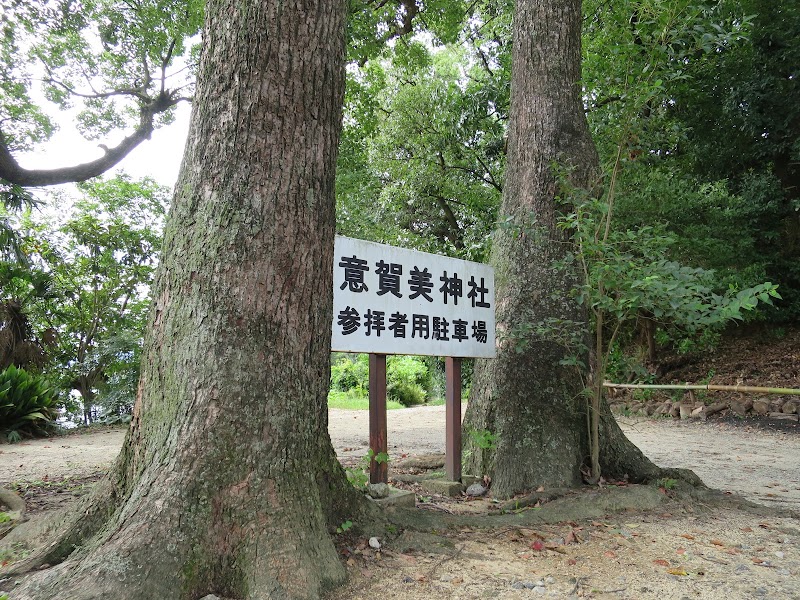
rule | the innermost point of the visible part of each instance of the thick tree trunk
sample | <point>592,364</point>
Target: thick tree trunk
<point>532,402</point>
<point>228,482</point>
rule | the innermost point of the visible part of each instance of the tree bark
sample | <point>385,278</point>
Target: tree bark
<point>526,396</point>
<point>227,482</point>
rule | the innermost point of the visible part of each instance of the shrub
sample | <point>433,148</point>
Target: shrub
<point>27,404</point>
<point>406,394</point>
<point>350,372</point>
<point>408,370</point>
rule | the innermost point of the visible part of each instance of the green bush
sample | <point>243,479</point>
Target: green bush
<point>350,372</point>
<point>408,378</point>
<point>27,404</point>
<point>407,394</point>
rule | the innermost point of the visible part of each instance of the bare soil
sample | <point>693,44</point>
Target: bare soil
<point>673,551</point>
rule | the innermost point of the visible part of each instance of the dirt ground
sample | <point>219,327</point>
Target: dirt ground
<point>669,550</point>
<point>763,466</point>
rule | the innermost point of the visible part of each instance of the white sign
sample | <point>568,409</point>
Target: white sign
<point>389,300</point>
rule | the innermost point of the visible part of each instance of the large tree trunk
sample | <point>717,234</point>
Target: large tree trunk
<point>228,482</point>
<point>526,397</point>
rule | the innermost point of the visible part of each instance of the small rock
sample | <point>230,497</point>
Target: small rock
<point>539,590</point>
<point>761,406</point>
<point>446,578</point>
<point>685,410</point>
<point>518,585</point>
<point>549,580</point>
<point>789,407</point>
<point>741,407</point>
<point>761,591</point>
<point>779,554</point>
<point>374,543</point>
<point>211,597</point>
<point>378,490</point>
<point>407,579</point>
<point>742,569</point>
<point>476,489</point>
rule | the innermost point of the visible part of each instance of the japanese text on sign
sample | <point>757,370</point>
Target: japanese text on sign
<point>389,300</point>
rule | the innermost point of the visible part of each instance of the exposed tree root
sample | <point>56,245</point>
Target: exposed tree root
<point>115,550</point>
<point>62,534</point>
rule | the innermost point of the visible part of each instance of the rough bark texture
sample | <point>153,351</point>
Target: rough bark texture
<point>227,482</point>
<point>531,402</point>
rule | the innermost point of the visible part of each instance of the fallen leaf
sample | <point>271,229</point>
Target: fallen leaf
<point>680,572</point>
<point>351,562</point>
<point>687,536</point>
<point>555,548</point>
<point>758,561</point>
<point>747,529</point>
<point>540,488</point>
<point>661,562</point>
<point>572,561</point>
<point>610,554</point>
<point>681,550</point>
<point>764,525</point>
<point>718,542</point>
<point>407,558</point>
<point>537,545</point>
<point>571,538</point>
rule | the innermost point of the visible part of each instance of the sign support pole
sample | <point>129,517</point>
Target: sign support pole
<point>453,418</point>
<point>378,471</point>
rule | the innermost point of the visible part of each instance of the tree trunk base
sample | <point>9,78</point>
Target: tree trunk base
<point>129,551</point>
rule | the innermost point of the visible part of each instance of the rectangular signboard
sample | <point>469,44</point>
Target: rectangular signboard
<point>389,300</point>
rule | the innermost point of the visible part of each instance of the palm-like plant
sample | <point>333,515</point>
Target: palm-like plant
<point>28,404</point>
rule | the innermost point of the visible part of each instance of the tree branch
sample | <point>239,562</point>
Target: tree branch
<point>11,171</point>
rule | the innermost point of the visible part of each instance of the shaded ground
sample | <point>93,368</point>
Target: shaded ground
<point>668,550</point>
<point>761,465</point>
<point>664,549</point>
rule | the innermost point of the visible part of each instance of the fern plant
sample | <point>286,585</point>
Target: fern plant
<point>28,404</point>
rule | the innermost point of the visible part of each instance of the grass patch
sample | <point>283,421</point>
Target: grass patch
<point>351,401</point>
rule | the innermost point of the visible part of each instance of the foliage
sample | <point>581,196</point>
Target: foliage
<point>629,276</point>
<point>408,378</point>
<point>694,110</point>
<point>350,372</point>
<point>28,404</point>
<point>344,526</point>
<point>380,457</point>
<point>97,260</point>
<point>117,65</point>
<point>425,139</point>
<point>484,438</point>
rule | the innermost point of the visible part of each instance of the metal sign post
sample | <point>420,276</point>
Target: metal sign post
<point>452,461</point>
<point>378,470</point>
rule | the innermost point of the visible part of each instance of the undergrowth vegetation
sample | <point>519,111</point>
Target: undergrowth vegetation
<point>28,405</point>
